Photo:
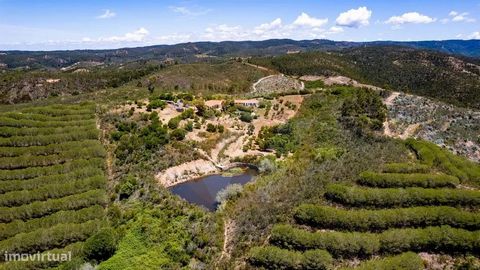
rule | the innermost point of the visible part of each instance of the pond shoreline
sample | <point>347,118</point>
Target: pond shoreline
<point>193,170</point>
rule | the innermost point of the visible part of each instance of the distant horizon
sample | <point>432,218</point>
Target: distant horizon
<point>85,25</point>
<point>239,41</point>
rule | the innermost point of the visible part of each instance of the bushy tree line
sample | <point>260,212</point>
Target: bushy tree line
<point>404,261</point>
<point>9,122</point>
<point>34,183</point>
<point>348,244</point>
<point>26,161</point>
<point>406,168</point>
<point>383,219</point>
<point>431,154</point>
<point>43,117</point>
<point>51,191</point>
<point>427,180</point>
<point>48,149</point>
<point>34,131</point>
<point>43,208</point>
<point>49,139</point>
<point>66,167</point>
<point>363,111</point>
<point>74,216</point>
<point>53,237</point>
<point>271,257</point>
<point>61,109</point>
<point>395,197</point>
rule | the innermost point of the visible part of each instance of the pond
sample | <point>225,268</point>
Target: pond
<point>202,191</point>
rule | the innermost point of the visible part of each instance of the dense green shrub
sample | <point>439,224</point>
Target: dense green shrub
<point>25,161</point>
<point>15,131</point>
<point>5,121</point>
<point>363,111</point>
<point>246,117</point>
<point>52,191</point>
<point>404,261</point>
<point>46,118</point>
<point>53,237</point>
<point>76,216</point>
<point>66,167</point>
<point>101,245</point>
<point>48,149</point>
<point>349,244</point>
<point>174,122</point>
<point>386,180</point>
<point>178,134</point>
<point>49,139</point>
<point>43,208</point>
<point>390,197</point>
<point>405,168</point>
<point>379,220</point>
<point>33,183</point>
<point>431,154</point>
<point>271,257</point>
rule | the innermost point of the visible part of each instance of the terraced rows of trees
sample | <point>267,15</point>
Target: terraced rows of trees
<point>430,206</point>
<point>52,182</point>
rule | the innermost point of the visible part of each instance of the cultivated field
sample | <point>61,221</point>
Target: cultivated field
<point>52,181</point>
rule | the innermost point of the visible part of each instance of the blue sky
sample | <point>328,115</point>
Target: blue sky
<point>48,25</point>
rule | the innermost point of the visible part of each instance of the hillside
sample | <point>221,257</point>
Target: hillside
<point>449,78</point>
<point>190,51</point>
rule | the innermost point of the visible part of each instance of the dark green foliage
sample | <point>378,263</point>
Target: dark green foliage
<point>174,122</point>
<point>314,84</point>
<point>404,261</point>
<point>41,208</point>
<point>101,245</point>
<point>379,220</point>
<point>393,197</point>
<point>74,216</point>
<point>33,183</point>
<point>56,236</point>
<point>364,111</point>
<point>386,180</point>
<point>280,138</point>
<point>271,257</point>
<point>178,134</point>
<point>405,168</point>
<point>49,139</point>
<point>211,127</point>
<point>430,154</point>
<point>246,117</point>
<point>349,244</point>
<point>66,167</point>
<point>128,185</point>
<point>156,103</point>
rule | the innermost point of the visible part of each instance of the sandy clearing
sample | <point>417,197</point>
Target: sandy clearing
<point>186,172</point>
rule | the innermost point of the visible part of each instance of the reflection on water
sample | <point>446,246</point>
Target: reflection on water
<point>202,191</point>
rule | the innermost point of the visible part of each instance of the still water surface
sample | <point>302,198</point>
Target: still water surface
<point>202,191</point>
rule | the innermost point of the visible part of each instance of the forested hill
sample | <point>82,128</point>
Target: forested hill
<point>199,50</point>
<point>453,79</point>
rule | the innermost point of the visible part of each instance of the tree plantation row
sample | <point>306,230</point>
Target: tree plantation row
<point>438,217</point>
<point>52,181</point>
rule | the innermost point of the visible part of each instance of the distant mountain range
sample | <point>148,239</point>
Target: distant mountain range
<point>199,51</point>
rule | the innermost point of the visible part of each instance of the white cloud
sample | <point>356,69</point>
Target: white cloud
<point>188,11</point>
<point>306,20</point>
<point>138,35</point>
<point>354,17</point>
<point>265,27</point>
<point>474,35</point>
<point>460,17</point>
<point>107,14</point>
<point>410,17</point>
<point>334,30</point>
